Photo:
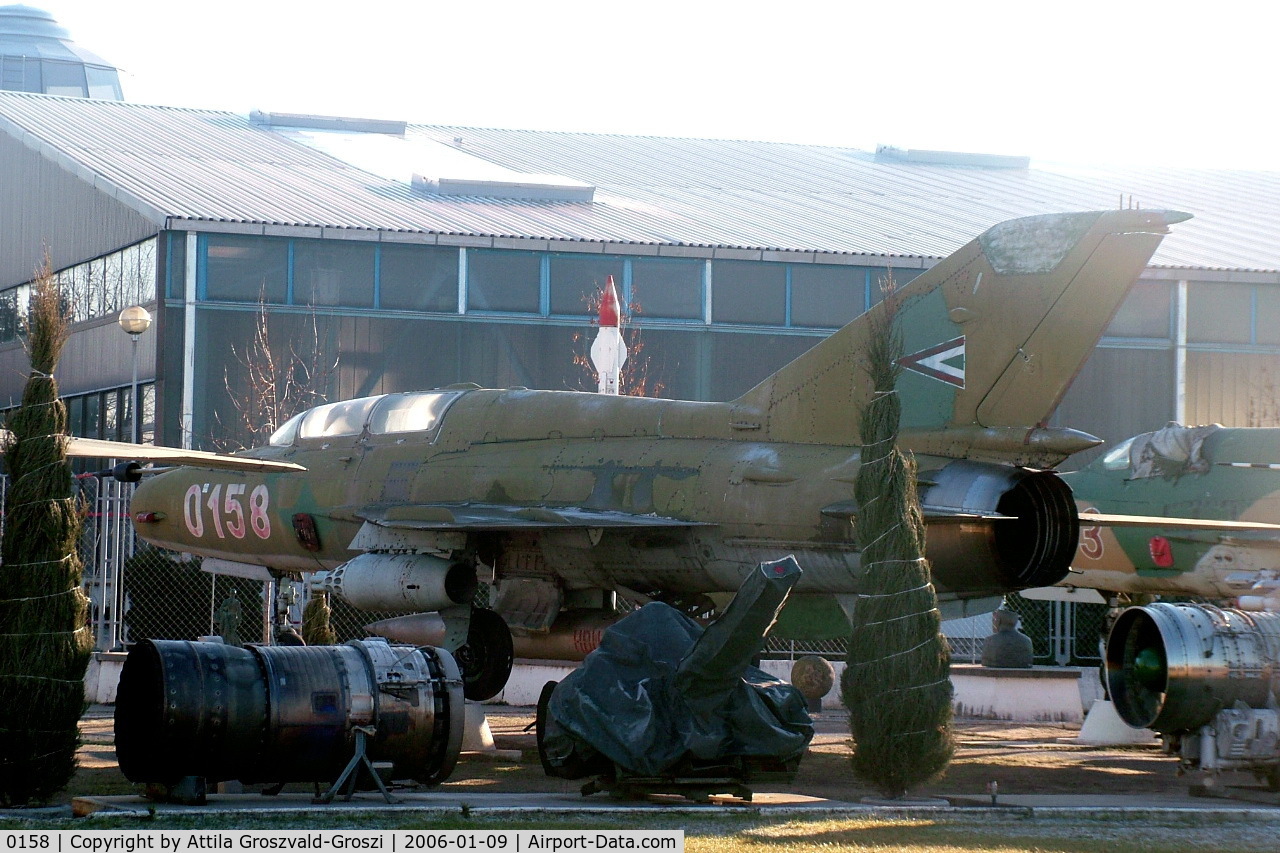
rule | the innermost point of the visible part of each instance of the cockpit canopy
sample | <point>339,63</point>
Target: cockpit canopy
<point>386,414</point>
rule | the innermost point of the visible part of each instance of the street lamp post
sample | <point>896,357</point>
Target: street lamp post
<point>116,545</point>
<point>134,320</point>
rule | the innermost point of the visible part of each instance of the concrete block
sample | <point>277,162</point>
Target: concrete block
<point>476,734</point>
<point>1103,727</point>
<point>1039,694</point>
<point>527,677</point>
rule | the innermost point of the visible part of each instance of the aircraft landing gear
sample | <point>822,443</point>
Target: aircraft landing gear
<point>487,655</point>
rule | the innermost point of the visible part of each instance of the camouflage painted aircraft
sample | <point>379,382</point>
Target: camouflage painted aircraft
<point>564,500</point>
<point>1206,472</point>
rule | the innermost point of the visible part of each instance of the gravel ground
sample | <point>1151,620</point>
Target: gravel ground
<point>1021,758</point>
<point>1039,759</point>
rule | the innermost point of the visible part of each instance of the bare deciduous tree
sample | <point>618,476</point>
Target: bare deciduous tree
<point>274,379</point>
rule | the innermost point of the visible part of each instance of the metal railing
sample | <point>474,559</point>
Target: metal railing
<point>107,543</point>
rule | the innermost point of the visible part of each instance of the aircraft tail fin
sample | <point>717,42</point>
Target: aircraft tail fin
<point>993,335</point>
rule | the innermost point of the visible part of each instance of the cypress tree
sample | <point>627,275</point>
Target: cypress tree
<point>896,682</point>
<point>44,634</point>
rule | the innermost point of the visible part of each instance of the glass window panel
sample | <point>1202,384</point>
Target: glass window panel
<point>9,321</point>
<point>285,435</point>
<point>419,278</point>
<point>1144,312</point>
<point>75,416</point>
<point>11,74</point>
<point>23,292</point>
<point>662,363</point>
<point>333,272</point>
<point>113,279</point>
<point>75,278</point>
<point>95,288</point>
<point>346,417</point>
<point>82,290</point>
<point>504,355</point>
<point>147,434</point>
<point>826,296</point>
<point>147,271</point>
<point>882,276</point>
<point>1219,313</point>
<point>578,280</point>
<point>748,292</point>
<point>246,269</point>
<point>741,360</point>
<point>176,265</point>
<point>504,281</point>
<point>409,412</point>
<point>31,78</point>
<point>64,78</point>
<point>111,415</point>
<point>104,83</point>
<point>126,415</point>
<point>667,289</point>
<point>1268,306</point>
<point>129,276</point>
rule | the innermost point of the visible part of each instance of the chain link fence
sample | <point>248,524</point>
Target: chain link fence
<point>169,596</point>
<point>1062,633</point>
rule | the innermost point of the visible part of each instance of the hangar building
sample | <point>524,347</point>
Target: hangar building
<point>410,256</point>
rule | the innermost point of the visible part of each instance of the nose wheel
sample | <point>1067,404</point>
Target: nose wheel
<point>487,657</point>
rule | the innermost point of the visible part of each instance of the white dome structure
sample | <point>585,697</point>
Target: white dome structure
<point>38,55</point>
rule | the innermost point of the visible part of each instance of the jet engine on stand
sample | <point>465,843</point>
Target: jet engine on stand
<point>188,714</point>
<point>1205,678</point>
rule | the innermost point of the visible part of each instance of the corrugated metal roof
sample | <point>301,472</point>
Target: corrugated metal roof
<point>216,166</point>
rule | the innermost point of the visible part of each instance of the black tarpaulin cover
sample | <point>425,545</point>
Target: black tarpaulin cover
<point>660,689</point>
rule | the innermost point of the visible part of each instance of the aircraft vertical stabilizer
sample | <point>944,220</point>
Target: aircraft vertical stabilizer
<point>992,336</point>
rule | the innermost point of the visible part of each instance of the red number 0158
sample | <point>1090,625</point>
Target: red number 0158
<point>224,509</point>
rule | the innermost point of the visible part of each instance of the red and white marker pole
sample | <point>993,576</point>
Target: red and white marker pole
<point>608,350</point>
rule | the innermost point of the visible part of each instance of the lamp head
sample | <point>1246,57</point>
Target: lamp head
<point>135,319</point>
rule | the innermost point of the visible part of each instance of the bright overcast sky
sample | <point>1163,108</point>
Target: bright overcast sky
<point>1127,81</point>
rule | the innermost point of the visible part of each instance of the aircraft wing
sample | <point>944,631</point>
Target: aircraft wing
<point>1102,519</point>
<point>932,514</point>
<point>94,448</point>
<point>944,515</point>
<point>479,516</point>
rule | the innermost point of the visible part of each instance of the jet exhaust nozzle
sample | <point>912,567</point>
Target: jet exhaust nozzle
<point>1031,546</point>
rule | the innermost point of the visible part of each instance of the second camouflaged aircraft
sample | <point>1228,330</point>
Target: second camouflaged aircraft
<point>1209,472</point>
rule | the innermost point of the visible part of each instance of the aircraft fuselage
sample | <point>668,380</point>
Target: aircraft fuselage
<point>584,488</point>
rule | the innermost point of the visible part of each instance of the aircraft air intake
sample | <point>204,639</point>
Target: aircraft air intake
<point>996,528</point>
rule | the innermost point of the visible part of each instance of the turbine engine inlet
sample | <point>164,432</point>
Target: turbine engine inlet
<point>1205,678</point>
